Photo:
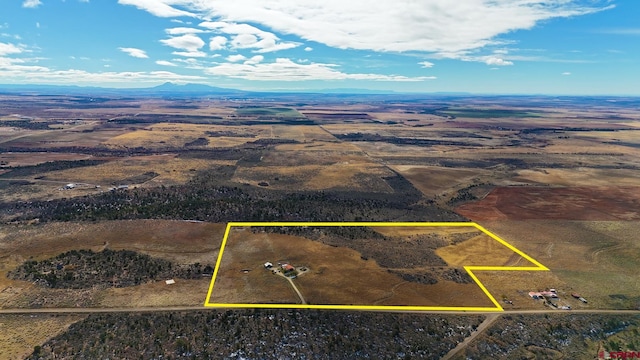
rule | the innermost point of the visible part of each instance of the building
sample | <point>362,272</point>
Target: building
<point>268,265</point>
<point>287,267</point>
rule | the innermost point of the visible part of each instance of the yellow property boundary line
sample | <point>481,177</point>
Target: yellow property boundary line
<point>470,269</point>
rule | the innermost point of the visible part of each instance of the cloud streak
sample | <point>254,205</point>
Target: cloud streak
<point>284,69</point>
<point>31,3</point>
<point>134,52</point>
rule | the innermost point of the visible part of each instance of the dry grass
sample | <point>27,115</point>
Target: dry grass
<point>356,176</point>
<point>336,276</point>
<point>64,138</point>
<point>435,180</point>
<point>443,232</point>
<point>20,333</point>
<point>157,294</point>
<point>580,177</point>
<point>593,258</point>
<point>177,135</point>
<point>27,159</point>
<point>171,170</point>
<point>178,241</point>
<point>481,250</point>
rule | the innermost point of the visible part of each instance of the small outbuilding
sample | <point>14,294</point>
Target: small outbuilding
<point>268,265</point>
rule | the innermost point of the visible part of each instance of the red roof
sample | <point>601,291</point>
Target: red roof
<point>288,267</point>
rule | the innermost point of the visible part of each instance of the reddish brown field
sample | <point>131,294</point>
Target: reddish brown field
<point>571,203</point>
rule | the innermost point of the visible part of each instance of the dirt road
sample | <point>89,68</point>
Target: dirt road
<point>491,318</point>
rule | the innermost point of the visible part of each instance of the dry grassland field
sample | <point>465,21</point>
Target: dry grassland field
<point>333,275</point>
<point>180,242</point>
<point>597,259</point>
<point>135,171</point>
<point>19,334</point>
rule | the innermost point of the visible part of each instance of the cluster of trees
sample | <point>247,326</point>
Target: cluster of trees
<point>550,336</point>
<point>205,199</point>
<point>260,334</point>
<point>82,269</point>
<point>401,140</point>
<point>27,124</point>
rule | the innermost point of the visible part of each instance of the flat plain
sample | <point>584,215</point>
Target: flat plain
<point>162,176</point>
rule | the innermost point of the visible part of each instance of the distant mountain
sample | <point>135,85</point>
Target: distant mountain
<point>191,88</point>
<point>166,89</point>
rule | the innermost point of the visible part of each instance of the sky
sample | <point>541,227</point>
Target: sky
<point>572,47</point>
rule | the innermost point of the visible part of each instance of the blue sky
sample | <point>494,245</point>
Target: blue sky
<point>480,46</point>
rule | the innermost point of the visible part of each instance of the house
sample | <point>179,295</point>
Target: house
<point>287,267</point>
<point>268,265</point>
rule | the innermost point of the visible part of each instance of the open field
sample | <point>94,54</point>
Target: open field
<point>336,275</point>
<point>136,171</point>
<point>181,242</point>
<point>582,177</point>
<point>572,203</point>
<point>434,180</point>
<point>363,176</point>
<point>19,334</point>
<point>26,159</point>
<point>597,259</point>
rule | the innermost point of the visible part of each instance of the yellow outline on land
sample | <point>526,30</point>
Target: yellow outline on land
<point>470,269</point>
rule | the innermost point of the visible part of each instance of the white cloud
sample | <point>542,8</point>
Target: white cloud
<point>254,60</point>
<point>165,63</point>
<point>496,61</point>
<point>11,69</point>
<point>186,42</point>
<point>249,37</point>
<point>426,64</point>
<point>31,3</point>
<point>183,30</point>
<point>38,25</point>
<point>436,26</point>
<point>160,8</point>
<point>286,70</point>
<point>235,58</point>
<point>7,48</point>
<point>566,73</point>
<point>217,43</point>
<point>137,53</point>
<point>308,48</point>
